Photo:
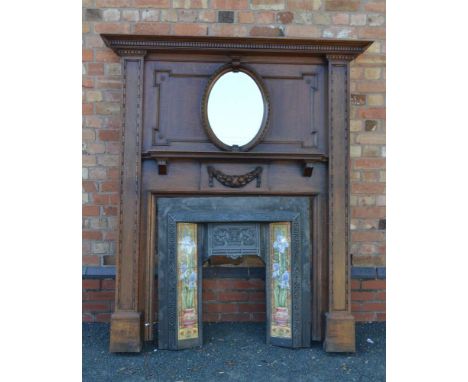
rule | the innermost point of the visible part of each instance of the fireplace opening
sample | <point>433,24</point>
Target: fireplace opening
<point>233,289</point>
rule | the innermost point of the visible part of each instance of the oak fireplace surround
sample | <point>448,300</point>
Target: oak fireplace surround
<point>170,161</point>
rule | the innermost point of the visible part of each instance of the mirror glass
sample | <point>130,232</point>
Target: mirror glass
<point>235,108</point>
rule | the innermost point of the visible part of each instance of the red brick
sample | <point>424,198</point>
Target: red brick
<point>210,317</point>
<point>110,211</point>
<point>267,4</point>
<point>95,69</point>
<point>266,31</point>
<point>368,212</point>
<point>222,308</point>
<point>123,28</point>
<point>373,284</point>
<point>95,307</point>
<point>375,7</point>
<point>90,284</point>
<point>104,83</point>
<point>362,296</point>
<point>300,5</point>
<point>372,33</point>
<point>190,29</point>
<point>257,296</point>
<point>372,113</point>
<point>87,82</point>
<point>92,235</point>
<point>103,317</point>
<point>91,260</point>
<point>99,296</point>
<point>153,3</point>
<point>113,3</point>
<point>87,55</point>
<point>257,307</point>
<point>374,307</point>
<point>235,317</point>
<point>152,28</point>
<point>109,135</point>
<point>90,210</point>
<point>342,5</point>
<point>87,108</point>
<point>231,30</point>
<point>111,186</point>
<point>89,186</point>
<point>209,295</point>
<point>381,296</point>
<point>232,296</point>
<point>87,317</point>
<point>368,188</point>
<point>265,17</point>
<point>108,284</point>
<point>229,4</point>
<point>101,199</point>
<point>285,17</point>
<point>106,55</point>
<point>367,236</point>
<point>258,317</point>
<point>381,316</point>
<point>371,86</point>
<point>364,317</point>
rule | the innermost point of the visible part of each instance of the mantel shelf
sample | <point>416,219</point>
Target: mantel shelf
<point>234,156</point>
<point>125,45</point>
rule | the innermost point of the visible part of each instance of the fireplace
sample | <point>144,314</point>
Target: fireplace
<point>277,229</point>
<point>189,191</point>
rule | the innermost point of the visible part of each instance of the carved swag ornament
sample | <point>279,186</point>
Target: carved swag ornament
<point>235,181</point>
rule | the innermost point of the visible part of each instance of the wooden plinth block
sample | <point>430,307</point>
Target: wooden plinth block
<point>340,333</point>
<point>126,332</point>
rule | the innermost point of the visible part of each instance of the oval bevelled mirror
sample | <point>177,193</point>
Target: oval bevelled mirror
<point>235,109</point>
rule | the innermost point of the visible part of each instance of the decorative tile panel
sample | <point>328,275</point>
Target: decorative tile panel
<point>187,273</point>
<point>280,287</point>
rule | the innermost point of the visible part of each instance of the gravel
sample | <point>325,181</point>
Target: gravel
<point>235,352</point>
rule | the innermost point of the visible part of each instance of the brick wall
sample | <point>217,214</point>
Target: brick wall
<point>234,300</point>
<point>102,81</point>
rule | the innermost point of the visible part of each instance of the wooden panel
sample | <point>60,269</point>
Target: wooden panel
<point>296,93</point>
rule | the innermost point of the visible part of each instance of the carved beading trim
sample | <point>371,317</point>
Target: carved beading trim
<point>339,57</point>
<point>296,282</point>
<point>171,282</point>
<point>131,52</point>
<point>235,181</point>
<point>318,46</point>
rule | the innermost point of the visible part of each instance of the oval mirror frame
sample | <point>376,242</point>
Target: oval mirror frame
<point>266,108</point>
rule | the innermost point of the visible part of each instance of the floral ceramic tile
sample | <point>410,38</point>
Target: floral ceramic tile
<point>187,271</point>
<point>280,288</point>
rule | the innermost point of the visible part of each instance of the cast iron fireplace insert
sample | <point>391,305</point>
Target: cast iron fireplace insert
<point>276,228</point>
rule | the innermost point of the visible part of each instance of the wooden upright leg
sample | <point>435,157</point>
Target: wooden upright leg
<point>126,323</point>
<point>340,330</point>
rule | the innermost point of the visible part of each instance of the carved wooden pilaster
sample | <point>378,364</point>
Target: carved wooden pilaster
<point>126,322</point>
<point>340,329</point>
